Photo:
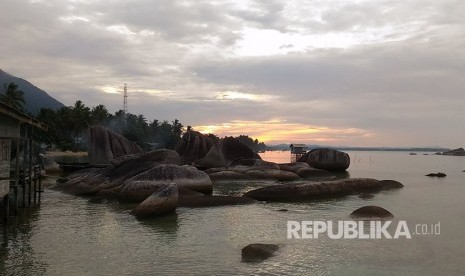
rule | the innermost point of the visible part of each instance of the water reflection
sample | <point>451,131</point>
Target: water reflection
<point>166,225</point>
<point>17,251</point>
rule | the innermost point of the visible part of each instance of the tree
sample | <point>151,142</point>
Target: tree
<point>99,115</point>
<point>80,120</point>
<point>13,97</point>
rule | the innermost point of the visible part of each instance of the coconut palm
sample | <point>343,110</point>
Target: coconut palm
<point>12,96</point>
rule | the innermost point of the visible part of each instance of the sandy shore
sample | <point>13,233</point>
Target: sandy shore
<point>66,153</point>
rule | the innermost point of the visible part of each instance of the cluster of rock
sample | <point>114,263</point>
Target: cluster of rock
<point>455,152</point>
<point>162,180</point>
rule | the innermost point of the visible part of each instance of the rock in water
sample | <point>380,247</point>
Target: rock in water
<point>312,190</point>
<point>194,146</point>
<point>455,152</point>
<point>391,184</point>
<point>186,177</point>
<point>161,202</point>
<point>105,145</point>
<point>326,159</point>
<point>303,170</point>
<point>225,153</point>
<point>91,181</point>
<point>257,252</point>
<point>138,191</point>
<point>439,174</point>
<point>371,212</point>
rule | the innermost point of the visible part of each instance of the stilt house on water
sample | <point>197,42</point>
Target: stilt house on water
<point>19,178</point>
<point>297,151</point>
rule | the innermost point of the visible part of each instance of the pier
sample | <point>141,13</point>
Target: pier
<point>20,176</point>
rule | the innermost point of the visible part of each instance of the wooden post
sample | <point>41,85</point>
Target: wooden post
<point>15,189</point>
<point>40,185</point>
<point>29,181</point>
<point>5,208</point>
<point>23,180</point>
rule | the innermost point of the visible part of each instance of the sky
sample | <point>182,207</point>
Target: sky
<point>328,72</point>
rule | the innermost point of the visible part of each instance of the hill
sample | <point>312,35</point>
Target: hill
<point>35,97</point>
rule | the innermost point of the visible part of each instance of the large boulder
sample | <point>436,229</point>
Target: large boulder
<point>162,202</point>
<point>194,146</point>
<point>105,145</point>
<point>313,190</point>
<point>326,159</point>
<point>228,151</point>
<point>187,177</point>
<point>257,252</point>
<point>91,181</point>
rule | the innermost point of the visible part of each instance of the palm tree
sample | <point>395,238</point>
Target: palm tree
<point>13,97</point>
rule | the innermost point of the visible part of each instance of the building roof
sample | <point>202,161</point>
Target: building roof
<point>298,146</point>
<point>21,117</point>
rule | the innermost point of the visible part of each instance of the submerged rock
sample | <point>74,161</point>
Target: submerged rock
<point>162,202</point>
<point>391,184</point>
<point>366,196</point>
<point>304,170</point>
<point>371,212</point>
<point>257,252</point>
<point>312,190</point>
<point>439,174</point>
<point>326,159</point>
<point>105,145</point>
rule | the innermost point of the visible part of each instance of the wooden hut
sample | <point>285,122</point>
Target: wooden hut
<point>16,130</point>
<point>297,150</point>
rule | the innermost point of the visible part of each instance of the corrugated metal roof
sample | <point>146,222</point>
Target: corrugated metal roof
<point>20,116</point>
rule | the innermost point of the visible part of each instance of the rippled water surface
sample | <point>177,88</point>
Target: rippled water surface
<point>71,235</point>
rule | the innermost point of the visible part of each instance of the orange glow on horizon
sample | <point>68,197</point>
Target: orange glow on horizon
<point>281,131</point>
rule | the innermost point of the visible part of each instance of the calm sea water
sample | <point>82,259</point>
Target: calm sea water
<point>70,235</point>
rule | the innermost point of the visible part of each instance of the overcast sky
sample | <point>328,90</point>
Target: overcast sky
<point>360,73</point>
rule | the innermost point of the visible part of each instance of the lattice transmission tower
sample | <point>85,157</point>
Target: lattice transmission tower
<point>125,95</point>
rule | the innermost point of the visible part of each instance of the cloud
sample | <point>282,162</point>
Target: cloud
<point>389,69</point>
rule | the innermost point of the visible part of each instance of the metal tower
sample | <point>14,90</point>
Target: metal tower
<point>125,98</point>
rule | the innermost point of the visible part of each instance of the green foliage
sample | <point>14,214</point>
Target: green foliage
<point>68,127</point>
<point>255,145</point>
<point>12,96</point>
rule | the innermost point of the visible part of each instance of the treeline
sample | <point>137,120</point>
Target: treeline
<point>67,127</point>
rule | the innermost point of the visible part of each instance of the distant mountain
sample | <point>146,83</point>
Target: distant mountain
<point>35,97</point>
<point>309,147</point>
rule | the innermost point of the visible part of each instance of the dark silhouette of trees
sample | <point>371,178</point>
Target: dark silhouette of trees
<point>12,96</point>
